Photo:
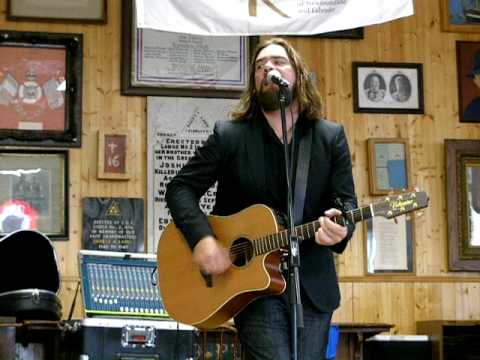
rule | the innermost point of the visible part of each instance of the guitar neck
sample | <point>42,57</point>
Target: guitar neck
<point>279,240</point>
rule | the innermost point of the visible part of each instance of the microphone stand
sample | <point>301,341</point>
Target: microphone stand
<point>294,250</point>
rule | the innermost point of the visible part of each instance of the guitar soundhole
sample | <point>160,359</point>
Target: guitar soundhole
<point>241,252</point>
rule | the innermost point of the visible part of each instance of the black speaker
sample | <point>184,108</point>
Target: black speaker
<point>399,347</point>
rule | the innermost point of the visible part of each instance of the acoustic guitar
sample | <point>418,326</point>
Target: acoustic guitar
<point>255,242</point>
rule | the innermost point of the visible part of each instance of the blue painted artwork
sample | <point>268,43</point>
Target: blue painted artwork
<point>464,11</point>
<point>397,174</point>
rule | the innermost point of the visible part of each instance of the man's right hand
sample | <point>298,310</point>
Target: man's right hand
<point>211,256</point>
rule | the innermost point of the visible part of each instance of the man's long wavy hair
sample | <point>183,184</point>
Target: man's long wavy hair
<point>306,93</point>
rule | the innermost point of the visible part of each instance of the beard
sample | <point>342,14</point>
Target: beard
<point>269,99</point>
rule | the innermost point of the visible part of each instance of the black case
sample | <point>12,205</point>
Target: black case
<point>30,278</point>
<point>128,339</point>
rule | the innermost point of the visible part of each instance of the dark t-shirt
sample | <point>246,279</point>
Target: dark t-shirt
<point>276,196</point>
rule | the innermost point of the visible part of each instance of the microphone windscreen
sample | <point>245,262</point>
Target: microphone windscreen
<point>273,74</point>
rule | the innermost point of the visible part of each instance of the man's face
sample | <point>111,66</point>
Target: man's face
<point>375,83</point>
<point>272,57</point>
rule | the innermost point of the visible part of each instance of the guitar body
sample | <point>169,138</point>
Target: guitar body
<point>187,296</point>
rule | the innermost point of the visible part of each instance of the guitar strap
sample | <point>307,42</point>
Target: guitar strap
<point>301,177</point>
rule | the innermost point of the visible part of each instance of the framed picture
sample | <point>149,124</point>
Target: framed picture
<point>389,165</point>
<point>351,34</point>
<point>463,204</point>
<point>113,224</point>
<point>34,192</point>
<point>172,138</point>
<point>85,11</point>
<point>390,245</point>
<point>175,64</point>
<point>460,15</point>
<point>40,89</point>
<point>468,75</point>
<point>393,88</point>
<point>114,154</point>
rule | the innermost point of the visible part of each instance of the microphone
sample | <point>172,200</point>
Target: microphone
<point>275,77</point>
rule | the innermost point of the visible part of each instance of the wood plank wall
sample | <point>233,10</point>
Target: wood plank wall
<point>432,292</point>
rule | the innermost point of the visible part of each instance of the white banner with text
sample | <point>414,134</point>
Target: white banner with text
<point>266,17</point>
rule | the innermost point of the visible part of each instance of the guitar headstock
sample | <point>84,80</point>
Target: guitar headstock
<point>395,205</point>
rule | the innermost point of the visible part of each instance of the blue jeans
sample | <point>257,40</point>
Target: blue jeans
<point>265,331</point>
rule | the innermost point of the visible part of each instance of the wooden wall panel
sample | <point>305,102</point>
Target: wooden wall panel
<point>433,292</point>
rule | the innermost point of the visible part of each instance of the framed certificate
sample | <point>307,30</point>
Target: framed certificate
<point>390,245</point>
<point>178,64</point>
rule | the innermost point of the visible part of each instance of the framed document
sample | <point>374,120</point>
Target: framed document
<point>177,64</point>
<point>40,89</point>
<point>34,192</point>
<point>463,204</point>
<point>85,11</point>
<point>389,245</point>
<point>175,128</point>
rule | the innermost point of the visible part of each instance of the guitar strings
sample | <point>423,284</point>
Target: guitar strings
<point>236,249</point>
<point>301,229</point>
<point>245,247</point>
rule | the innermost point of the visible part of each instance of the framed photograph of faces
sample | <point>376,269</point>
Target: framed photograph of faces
<point>468,75</point>
<point>391,88</point>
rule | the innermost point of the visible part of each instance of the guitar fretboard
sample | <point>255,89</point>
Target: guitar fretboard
<point>279,240</point>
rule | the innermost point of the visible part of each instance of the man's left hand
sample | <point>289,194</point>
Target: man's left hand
<point>329,232</point>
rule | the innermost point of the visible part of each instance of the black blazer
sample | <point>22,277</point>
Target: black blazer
<point>233,156</point>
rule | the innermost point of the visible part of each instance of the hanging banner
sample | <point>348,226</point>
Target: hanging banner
<point>267,17</point>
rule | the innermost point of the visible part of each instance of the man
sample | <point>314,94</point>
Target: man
<point>401,88</point>
<point>375,89</point>
<point>245,156</point>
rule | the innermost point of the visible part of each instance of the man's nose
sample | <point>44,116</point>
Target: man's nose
<point>268,65</point>
<point>267,68</point>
